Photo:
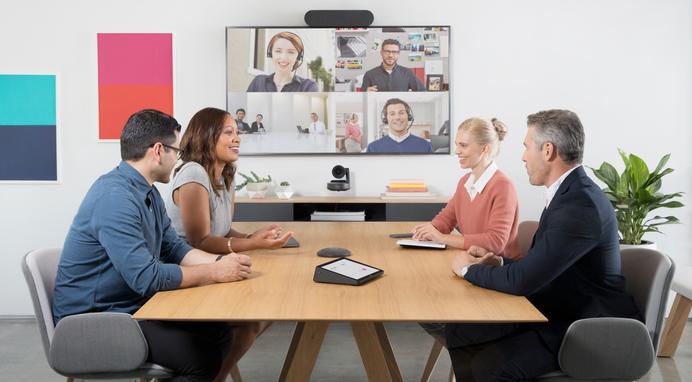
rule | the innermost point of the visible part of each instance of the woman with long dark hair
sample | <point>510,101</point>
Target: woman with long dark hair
<point>200,204</point>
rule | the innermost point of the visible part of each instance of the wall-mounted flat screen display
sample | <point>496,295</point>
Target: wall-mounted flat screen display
<point>350,91</point>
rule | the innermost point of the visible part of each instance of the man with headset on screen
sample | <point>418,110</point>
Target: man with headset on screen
<point>389,76</point>
<point>398,117</point>
<point>286,51</point>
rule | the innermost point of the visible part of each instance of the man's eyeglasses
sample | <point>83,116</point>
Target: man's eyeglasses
<point>393,52</point>
<point>178,151</point>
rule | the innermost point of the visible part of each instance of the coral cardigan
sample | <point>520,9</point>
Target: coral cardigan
<point>490,221</point>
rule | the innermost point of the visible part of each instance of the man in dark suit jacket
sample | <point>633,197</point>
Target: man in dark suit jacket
<point>243,127</point>
<point>571,271</point>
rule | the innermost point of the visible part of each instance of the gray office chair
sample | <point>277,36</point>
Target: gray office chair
<point>616,349</point>
<point>620,349</point>
<point>525,233</point>
<point>90,345</point>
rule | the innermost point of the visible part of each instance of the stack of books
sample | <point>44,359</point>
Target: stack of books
<point>338,216</point>
<point>407,189</point>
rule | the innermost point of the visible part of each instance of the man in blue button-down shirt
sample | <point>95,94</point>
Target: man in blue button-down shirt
<point>121,250</point>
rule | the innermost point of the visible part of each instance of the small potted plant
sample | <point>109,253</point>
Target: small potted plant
<point>256,187</point>
<point>284,191</point>
<point>634,194</point>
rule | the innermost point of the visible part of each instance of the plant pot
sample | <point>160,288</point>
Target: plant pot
<point>257,190</point>
<point>284,192</point>
<point>644,245</point>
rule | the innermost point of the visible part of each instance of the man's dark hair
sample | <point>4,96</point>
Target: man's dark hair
<point>241,109</point>
<point>391,41</point>
<point>563,129</point>
<point>143,129</point>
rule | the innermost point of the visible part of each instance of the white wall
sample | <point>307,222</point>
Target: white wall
<point>623,65</point>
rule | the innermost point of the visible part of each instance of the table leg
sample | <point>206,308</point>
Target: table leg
<point>674,326</point>
<point>302,354</point>
<point>376,351</point>
<point>432,360</point>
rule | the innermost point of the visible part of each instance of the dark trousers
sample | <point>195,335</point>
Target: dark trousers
<point>194,350</point>
<point>498,352</point>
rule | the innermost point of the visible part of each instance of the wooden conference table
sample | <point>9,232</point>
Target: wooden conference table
<point>417,286</point>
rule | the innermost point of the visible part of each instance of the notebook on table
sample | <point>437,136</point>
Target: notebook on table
<point>421,244</point>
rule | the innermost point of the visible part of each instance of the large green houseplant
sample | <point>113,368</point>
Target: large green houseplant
<point>319,73</point>
<point>635,193</point>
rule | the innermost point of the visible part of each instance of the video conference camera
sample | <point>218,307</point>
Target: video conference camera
<point>339,18</point>
<point>339,184</point>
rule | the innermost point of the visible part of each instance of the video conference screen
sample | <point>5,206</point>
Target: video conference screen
<point>353,91</point>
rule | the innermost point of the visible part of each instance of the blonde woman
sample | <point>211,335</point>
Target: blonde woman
<point>484,207</point>
<point>353,135</point>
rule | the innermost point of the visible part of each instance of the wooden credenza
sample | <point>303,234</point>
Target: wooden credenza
<point>299,208</point>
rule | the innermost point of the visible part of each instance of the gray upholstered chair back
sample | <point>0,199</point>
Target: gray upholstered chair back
<point>81,347</point>
<point>439,142</point>
<point>648,276</point>
<point>527,229</point>
<point>40,267</point>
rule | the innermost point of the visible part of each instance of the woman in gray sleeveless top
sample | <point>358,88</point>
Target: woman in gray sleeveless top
<point>201,194</point>
<point>200,204</point>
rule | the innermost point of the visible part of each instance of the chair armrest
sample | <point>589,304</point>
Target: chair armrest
<point>606,348</point>
<point>97,343</point>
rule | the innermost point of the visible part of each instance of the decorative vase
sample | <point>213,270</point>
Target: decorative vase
<point>284,192</point>
<point>644,244</point>
<point>257,190</point>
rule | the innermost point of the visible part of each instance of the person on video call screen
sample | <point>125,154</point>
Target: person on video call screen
<point>398,117</point>
<point>286,51</point>
<point>316,126</point>
<point>390,76</point>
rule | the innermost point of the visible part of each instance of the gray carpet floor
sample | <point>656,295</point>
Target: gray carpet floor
<point>22,357</point>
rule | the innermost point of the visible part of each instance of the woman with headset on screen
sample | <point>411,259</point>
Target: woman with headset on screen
<point>398,117</point>
<point>286,51</point>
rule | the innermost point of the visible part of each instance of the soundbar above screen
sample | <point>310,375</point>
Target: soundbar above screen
<point>350,91</point>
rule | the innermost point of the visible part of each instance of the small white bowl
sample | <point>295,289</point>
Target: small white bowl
<point>284,194</point>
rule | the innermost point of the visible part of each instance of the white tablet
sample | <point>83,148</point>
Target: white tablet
<point>421,244</point>
<point>352,269</point>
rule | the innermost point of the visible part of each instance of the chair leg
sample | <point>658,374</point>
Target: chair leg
<point>432,360</point>
<point>235,374</point>
<point>674,326</point>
